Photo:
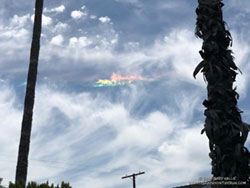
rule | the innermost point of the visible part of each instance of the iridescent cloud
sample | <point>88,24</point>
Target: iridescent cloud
<point>118,80</point>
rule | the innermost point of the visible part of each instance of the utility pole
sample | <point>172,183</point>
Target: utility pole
<point>133,175</point>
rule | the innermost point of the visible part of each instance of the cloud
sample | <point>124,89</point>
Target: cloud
<point>164,54</point>
<point>19,21</point>
<point>165,51</point>
<point>93,17</point>
<point>57,40</point>
<point>77,14</point>
<point>80,42</point>
<point>59,27</point>
<point>120,139</point>
<point>105,19</point>
<point>92,137</point>
<point>100,140</point>
<point>241,52</point>
<point>242,6</point>
<point>11,127</point>
<point>97,137</point>
<point>15,33</point>
<point>177,51</point>
<point>59,9</point>
<point>14,42</point>
<point>90,47</point>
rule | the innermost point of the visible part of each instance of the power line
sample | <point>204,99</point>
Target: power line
<point>49,166</point>
<point>64,163</point>
<point>46,161</point>
<point>133,175</point>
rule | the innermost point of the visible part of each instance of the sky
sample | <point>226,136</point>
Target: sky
<point>90,129</point>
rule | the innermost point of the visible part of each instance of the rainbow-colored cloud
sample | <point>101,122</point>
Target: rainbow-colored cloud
<point>116,80</point>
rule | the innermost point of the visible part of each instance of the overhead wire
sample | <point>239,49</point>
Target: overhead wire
<point>44,161</point>
<point>72,165</point>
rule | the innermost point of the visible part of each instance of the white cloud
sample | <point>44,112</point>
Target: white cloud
<point>122,142</point>
<point>164,52</point>
<point>176,43</point>
<point>73,42</point>
<point>19,21</point>
<point>57,9</point>
<point>79,42</point>
<point>46,20</point>
<point>131,46</point>
<point>14,42</point>
<point>79,120</point>
<point>189,145</point>
<point>88,48</point>
<point>11,126</point>
<point>57,40</point>
<point>105,19</point>
<point>93,17</point>
<point>77,14</point>
<point>59,27</point>
<point>242,54</point>
<point>104,138</point>
<point>84,41</point>
<point>15,33</point>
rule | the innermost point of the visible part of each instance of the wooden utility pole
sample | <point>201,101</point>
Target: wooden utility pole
<point>133,175</point>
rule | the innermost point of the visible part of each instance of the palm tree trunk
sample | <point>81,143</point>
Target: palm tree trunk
<point>22,161</point>
<point>223,125</point>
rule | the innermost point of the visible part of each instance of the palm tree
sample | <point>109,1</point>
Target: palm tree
<point>22,161</point>
<point>223,125</point>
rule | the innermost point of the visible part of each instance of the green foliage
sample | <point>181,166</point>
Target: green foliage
<point>36,185</point>
<point>17,185</point>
